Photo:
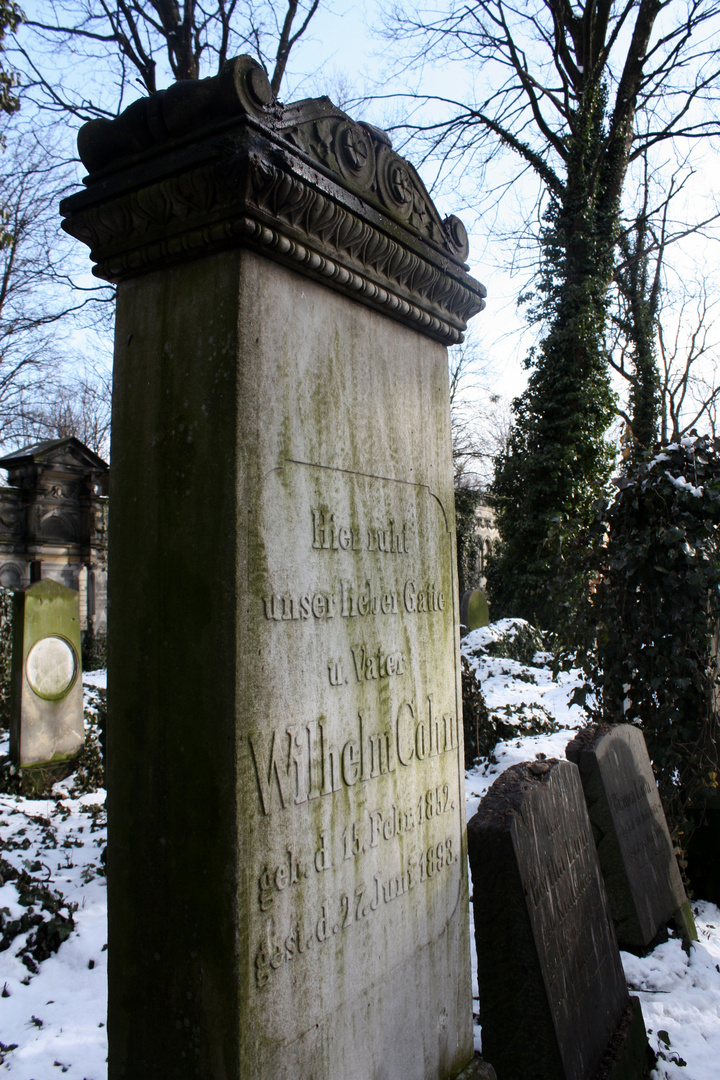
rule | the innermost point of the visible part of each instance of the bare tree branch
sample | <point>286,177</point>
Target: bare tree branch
<point>151,39</point>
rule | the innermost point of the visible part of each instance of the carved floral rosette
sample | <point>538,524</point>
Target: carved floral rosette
<point>215,164</point>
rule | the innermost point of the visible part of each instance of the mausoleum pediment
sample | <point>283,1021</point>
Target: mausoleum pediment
<point>55,467</point>
<point>68,451</point>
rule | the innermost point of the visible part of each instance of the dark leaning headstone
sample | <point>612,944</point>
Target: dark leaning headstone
<point>287,885</point>
<point>634,846</point>
<point>474,611</point>
<point>554,1004</point>
<point>47,725</point>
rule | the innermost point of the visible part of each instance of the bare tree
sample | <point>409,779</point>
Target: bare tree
<point>73,404</point>
<point>86,57</point>
<point>659,344</point>
<point>41,306</point>
<point>684,376</point>
<point>479,417</point>
<point>123,45</point>
<point>688,350</point>
<point>534,64</point>
<point>575,92</point>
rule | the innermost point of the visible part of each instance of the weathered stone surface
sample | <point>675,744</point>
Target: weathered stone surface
<point>474,611</point>
<point>636,855</point>
<point>284,754</point>
<point>553,1000</point>
<point>47,722</point>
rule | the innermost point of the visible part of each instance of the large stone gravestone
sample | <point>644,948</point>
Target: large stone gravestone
<point>553,1000</point>
<point>634,847</point>
<point>287,886</point>
<point>46,723</point>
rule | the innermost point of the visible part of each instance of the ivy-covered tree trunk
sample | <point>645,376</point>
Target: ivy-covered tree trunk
<point>558,87</point>
<point>557,460</point>
<point>6,637</point>
<point>10,16</point>
<point>639,298</point>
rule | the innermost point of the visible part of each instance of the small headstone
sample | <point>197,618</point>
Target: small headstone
<point>634,847</point>
<point>47,724</point>
<point>474,611</point>
<point>554,1004</point>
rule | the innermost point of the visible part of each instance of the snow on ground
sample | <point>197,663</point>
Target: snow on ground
<point>680,997</point>
<point>52,1010</point>
<point>679,994</point>
<point>52,1020</point>
<point>521,693</point>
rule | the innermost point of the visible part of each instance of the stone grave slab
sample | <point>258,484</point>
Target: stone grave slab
<point>285,757</point>
<point>553,1000</point>
<point>474,611</point>
<point>641,873</point>
<point>47,724</point>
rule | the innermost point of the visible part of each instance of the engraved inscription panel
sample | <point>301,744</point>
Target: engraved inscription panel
<point>568,911</point>
<point>353,778</point>
<point>552,988</point>
<point>640,825</point>
<point>634,845</point>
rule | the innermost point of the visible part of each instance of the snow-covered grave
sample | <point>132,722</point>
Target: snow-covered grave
<point>52,1008</point>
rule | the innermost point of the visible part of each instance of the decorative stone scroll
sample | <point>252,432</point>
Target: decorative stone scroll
<point>554,1004</point>
<point>634,846</point>
<point>213,164</point>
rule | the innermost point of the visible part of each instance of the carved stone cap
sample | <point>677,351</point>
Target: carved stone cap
<point>212,164</point>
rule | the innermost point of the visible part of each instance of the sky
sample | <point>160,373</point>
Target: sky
<point>346,54</point>
<point>347,41</point>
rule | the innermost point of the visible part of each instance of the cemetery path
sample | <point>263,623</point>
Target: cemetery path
<point>52,1003</point>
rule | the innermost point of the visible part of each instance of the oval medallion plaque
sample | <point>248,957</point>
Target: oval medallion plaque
<point>51,667</point>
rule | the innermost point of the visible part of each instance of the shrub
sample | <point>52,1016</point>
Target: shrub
<point>653,604</point>
<point>94,649</point>
<point>516,641</point>
<point>479,733</point>
<point>6,608</point>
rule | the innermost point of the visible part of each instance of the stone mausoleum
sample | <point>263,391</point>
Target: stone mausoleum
<point>53,523</point>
